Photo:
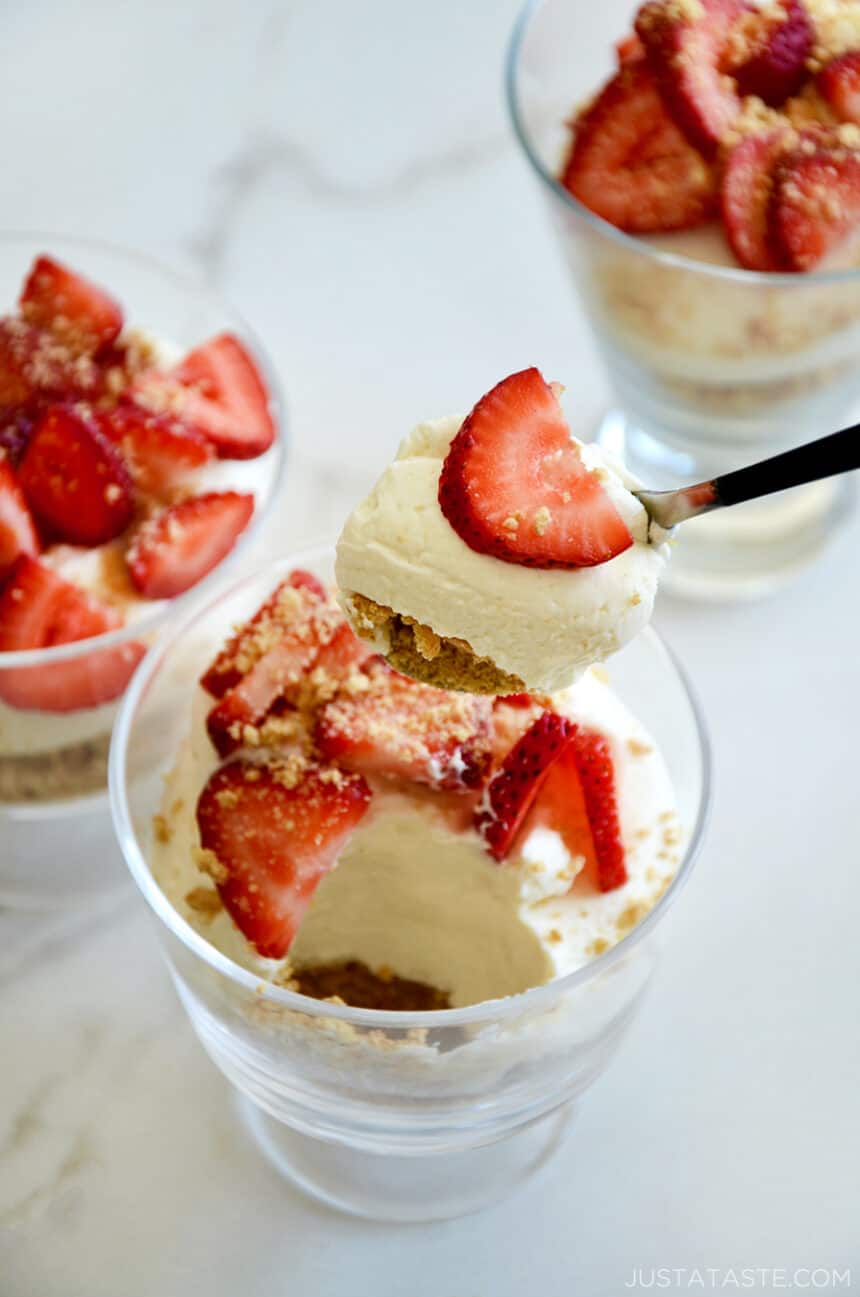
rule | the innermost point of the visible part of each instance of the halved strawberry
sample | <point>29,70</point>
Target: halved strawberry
<point>39,609</point>
<point>780,40</point>
<point>631,164</point>
<point>839,85</point>
<point>514,485</point>
<point>219,389</point>
<point>597,776</point>
<point>685,41</point>
<point>560,806</point>
<point>285,608</point>
<point>178,546</point>
<point>815,202</point>
<point>75,481</point>
<point>406,730</point>
<point>512,790</point>
<point>160,450</point>
<point>745,198</point>
<point>75,309</point>
<point>275,831</point>
<point>17,532</point>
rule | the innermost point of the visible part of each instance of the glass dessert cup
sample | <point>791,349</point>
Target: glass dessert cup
<point>395,1115</point>
<point>711,367</point>
<point>56,843</point>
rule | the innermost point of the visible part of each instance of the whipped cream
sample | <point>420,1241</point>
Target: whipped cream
<point>544,626</point>
<point>415,890</point>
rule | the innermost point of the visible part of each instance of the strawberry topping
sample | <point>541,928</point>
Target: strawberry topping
<point>274,830</point>
<point>75,481</point>
<point>178,546</point>
<point>746,193</point>
<point>17,531</point>
<point>512,790</point>
<point>815,203</point>
<point>38,609</point>
<point>400,728</point>
<point>631,164</point>
<point>685,41</point>
<point>781,42</point>
<point>839,85</point>
<point>513,484</point>
<point>76,310</point>
<point>597,776</point>
<point>161,452</point>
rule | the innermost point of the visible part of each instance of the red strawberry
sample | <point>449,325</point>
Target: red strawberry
<point>631,165</point>
<point>781,42</point>
<point>746,191</point>
<point>178,546</point>
<point>35,365</point>
<point>76,310</point>
<point>685,42</point>
<point>161,452</point>
<point>514,485</point>
<point>39,609</point>
<point>512,790</point>
<point>815,203</point>
<point>219,389</point>
<point>275,831</point>
<point>597,776</point>
<point>406,730</point>
<point>629,49</point>
<point>839,85</point>
<point>560,805</point>
<point>75,481</point>
<point>343,654</point>
<point>17,532</point>
<point>281,611</point>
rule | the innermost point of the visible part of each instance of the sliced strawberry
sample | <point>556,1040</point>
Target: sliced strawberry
<point>287,609</point>
<point>275,831</point>
<point>76,310</point>
<point>39,609</point>
<point>780,40</point>
<point>629,49</point>
<point>75,481</point>
<point>630,163</point>
<point>745,198</point>
<point>178,546</point>
<point>514,485</point>
<point>405,730</point>
<point>685,41</point>
<point>815,203</point>
<point>35,365</point>
<point>597,776</point>
<point>219,389</point>
<point>839,85</point>
<point>343,654</point>
<point>512,790</point>
<point>560,806</point>
<point>161,452</point>
<point>17,531</point>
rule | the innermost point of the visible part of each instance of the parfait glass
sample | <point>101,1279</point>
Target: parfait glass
<point>402,1116</point>
<point>710,366</point>
<point>56,844</point>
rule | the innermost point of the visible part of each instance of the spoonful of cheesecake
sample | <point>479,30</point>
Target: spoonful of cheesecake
<point>498,554</point>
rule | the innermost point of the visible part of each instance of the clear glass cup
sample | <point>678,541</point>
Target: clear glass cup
<point>712,367</point>
<point>56,843</point>
<point>396,1116</point>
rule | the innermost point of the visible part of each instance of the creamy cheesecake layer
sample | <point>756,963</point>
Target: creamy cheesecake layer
<point>542,627</point>
<point>416,895</point>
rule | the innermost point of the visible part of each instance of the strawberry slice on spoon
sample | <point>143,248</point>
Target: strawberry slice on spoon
<point>514,485</point>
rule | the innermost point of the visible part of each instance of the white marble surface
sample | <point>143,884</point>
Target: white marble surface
<point>345,172</point>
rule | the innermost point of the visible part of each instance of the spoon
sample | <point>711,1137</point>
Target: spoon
<point>838,453</point>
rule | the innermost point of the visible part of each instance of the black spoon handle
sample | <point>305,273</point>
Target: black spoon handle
<point>838,453</point>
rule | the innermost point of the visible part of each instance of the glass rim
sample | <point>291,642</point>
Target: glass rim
<point>152,619</point>
<point>671,260</point>
<point>486,1010</point>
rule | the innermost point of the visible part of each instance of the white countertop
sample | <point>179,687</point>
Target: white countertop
<point>346,174</point>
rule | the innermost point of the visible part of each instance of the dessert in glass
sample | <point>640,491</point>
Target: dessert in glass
<point>707,200</point>
<point>139,448</point>
<point>409,924</point>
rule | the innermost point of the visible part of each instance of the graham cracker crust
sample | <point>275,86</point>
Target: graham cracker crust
<point>417,651</point>
<point>355,984</point>
<point>54,776</point>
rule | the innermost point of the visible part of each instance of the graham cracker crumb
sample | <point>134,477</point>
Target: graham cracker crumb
<point>637,748</point>
<point>208,863</point>
<point>204,901</point>
<point>161,829</point>
<point>597,946</point>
